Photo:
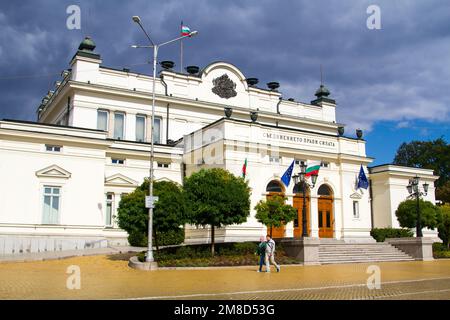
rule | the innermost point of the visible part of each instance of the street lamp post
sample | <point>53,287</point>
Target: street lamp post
<point>413,190</point>
<point>301,178</point>
<point>136,19</point>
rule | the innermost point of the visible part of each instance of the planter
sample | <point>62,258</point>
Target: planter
<point>228,112</point>
<point>167,64</point>
<point>192,69</point>
<point>145,266</point>
<point>359,133</point>
<point>273,85</point>
<point>252,81</point>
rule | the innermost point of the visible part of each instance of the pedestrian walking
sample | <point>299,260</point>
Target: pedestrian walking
<point>261,251</point>
<point>270,254</point>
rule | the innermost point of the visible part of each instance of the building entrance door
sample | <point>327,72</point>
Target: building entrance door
<point>325,213</point>
<point>298,221</point>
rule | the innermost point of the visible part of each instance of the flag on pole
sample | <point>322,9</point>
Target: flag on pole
<point>312,168</point>
<point>363,183</point>
<point>185,31</point>
<point>244,169</point>
<point>286,178</point>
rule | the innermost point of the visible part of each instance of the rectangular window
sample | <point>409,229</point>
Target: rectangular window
<point>52,148</point>
<point>109,209</point>
<point>324,164</point>
<point>51,204</point>
<point>320,219</point>
<point>163,165</point>
<point>140,128</point>
<point>117,161</point>
<point>102,120</point>
<point>119,125</point>
<point>273,159</point>
<point>298,162</point>
<point>355,209</point>
<point>157,131</point>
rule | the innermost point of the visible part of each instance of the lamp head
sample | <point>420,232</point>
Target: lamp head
<point>425,187</point>
<point>314,179</point>
<point>193,33</point>
<point>136,19</point>
<point>409,187</point>
<point>416,181</point>
<point>296,179</point>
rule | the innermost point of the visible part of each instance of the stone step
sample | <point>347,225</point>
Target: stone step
<point>362,261</point>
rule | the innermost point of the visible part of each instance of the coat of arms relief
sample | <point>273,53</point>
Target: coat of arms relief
<point>224,87</point>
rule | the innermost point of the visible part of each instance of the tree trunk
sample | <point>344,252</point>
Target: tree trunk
<point>212,240</point>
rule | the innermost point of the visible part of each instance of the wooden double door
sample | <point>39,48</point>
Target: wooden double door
<point>325,217</point>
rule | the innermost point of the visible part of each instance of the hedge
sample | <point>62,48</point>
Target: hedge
<point>380,234</point>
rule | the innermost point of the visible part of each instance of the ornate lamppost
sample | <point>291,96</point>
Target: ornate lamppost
<point>413,189</point>
<point>301,178</point>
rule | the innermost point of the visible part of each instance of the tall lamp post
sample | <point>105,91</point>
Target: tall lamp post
<point>301,178</point>
<point>413,189</point>
<point>149,257</point>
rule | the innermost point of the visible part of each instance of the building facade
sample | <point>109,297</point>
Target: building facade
<point>64,175</point>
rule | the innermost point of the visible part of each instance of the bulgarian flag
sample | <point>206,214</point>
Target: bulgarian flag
<point>312,168</point>
<point>244,169</point>
<point>185,31</point>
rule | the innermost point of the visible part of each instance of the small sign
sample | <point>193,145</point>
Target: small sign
<point>150,201</point>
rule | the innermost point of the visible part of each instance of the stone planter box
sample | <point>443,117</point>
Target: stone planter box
<point>304,249</point>
<point>145,266</point>
<point>420,249</point>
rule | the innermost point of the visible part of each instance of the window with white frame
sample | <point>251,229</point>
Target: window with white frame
<point>163,165</point>
<point>51,205</point>
<point>157,130</point>
<point>52,148</point>
<point>140,128</point>
<point>109,209</point>
<point>356,209</point>
<point>119,125</point>
<point>325,164</point>
<point>102,120</point>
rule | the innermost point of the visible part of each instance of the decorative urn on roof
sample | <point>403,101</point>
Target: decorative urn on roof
<point>87,45</point>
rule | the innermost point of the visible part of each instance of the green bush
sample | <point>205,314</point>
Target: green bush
<point>171,237</point>
<point>137,239</point>
<point>380,234</point>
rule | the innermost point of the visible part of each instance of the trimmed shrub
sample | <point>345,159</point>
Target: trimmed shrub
<point>137,239</point>
<point>171,237</point>
<point>380,234</point>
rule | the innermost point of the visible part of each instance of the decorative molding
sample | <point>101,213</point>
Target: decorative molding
<point>53,171</point>
<point>356,195</point>
<point>224,87</point>
<point>121,181</point>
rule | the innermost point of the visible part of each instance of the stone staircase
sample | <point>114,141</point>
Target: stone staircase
<point>338,251</point>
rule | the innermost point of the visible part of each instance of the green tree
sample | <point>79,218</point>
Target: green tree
<point>433,155</point>
<point>407,215</point>
<point>274,212</point>
<point>444,226</point>
<point>216,198</point>
<point>169,213</point>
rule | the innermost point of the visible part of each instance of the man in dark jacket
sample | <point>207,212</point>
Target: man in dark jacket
<point>261,251</point>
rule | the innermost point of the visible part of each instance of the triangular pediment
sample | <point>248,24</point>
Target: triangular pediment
<point>356,195</point>
<point>120,180</point>
<point>53,171</point>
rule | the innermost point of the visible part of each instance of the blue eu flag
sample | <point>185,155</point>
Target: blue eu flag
<point>363,183</point>
<point>286,178</point>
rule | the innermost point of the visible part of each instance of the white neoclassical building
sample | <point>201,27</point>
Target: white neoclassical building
<point>63,176</point>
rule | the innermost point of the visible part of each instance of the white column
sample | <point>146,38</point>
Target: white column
<point>314,208</point>
<point>338,215</point>
<point>289,232</point>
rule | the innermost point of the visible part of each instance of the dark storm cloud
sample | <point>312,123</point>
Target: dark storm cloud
<point>400,72</point>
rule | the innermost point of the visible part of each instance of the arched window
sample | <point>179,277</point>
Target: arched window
<point>298,188</point>
<point>324,190</point>
<point>274,186</point>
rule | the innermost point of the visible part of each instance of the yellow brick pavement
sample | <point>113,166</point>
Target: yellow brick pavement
<point>105,278</point>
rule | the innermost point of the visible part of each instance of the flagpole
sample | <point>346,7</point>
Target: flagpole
<point>181,49</point>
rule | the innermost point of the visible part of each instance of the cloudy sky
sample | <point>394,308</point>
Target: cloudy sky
<point>393,82</point>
